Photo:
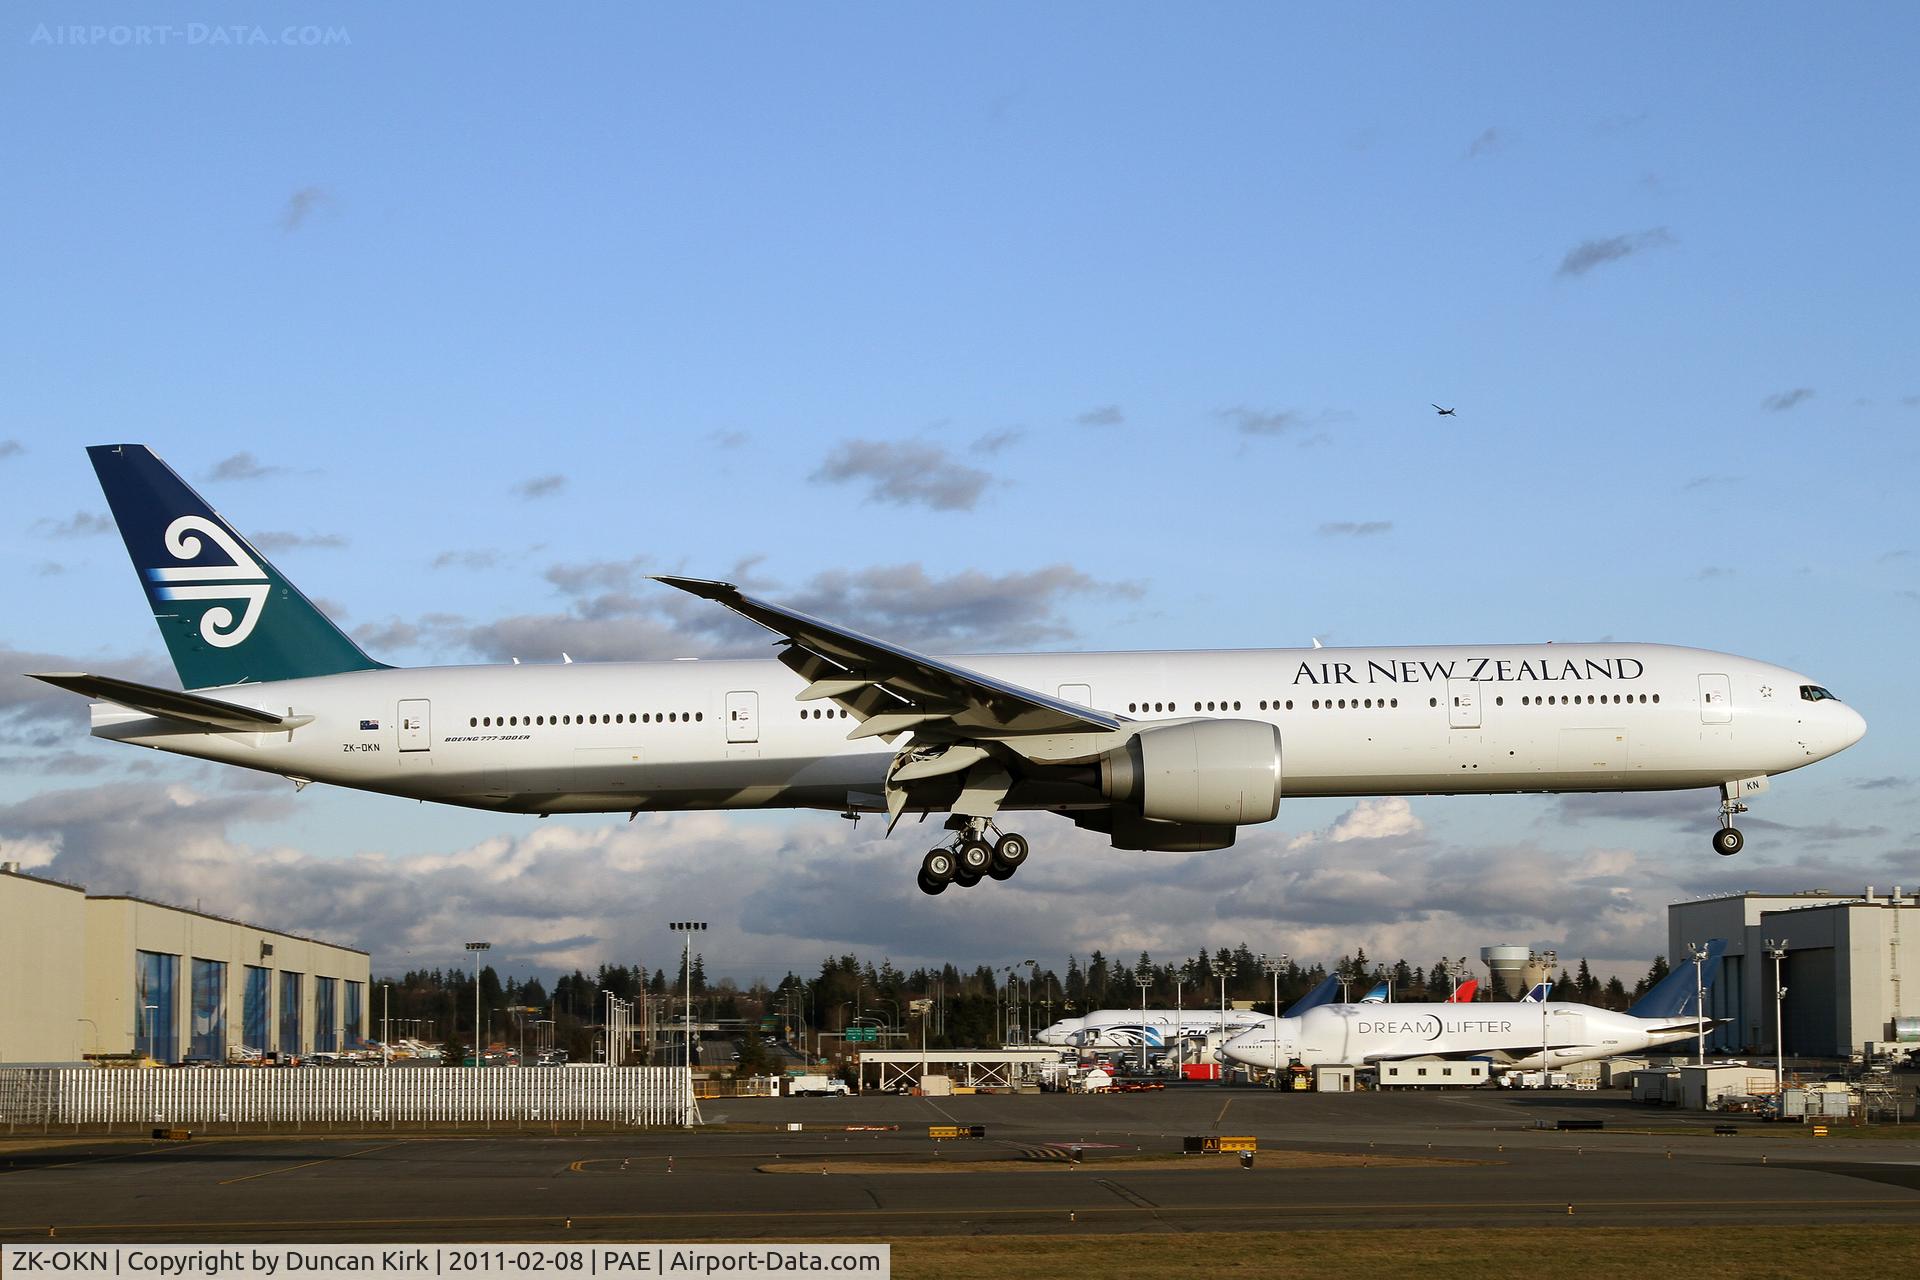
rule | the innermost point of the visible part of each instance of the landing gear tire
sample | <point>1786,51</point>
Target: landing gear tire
<point>931,887</point>
<point>974,857</point>
<point>998,872</point>
<point>1728,841</point>
<point>966,879</point>
<point>937,867</point>
<point>1010,851</point>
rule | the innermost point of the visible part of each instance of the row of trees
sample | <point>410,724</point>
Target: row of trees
<point>983,1005</point>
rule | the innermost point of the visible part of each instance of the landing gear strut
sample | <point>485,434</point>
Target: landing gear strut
<point>971,856</point>
<point>1728,841</point>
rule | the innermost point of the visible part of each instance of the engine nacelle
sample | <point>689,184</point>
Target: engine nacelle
<point>1205,772</point>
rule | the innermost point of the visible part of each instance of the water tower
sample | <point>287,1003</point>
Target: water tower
<point>1508,967</point>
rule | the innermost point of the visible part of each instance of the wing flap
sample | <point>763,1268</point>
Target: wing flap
<point>190,708</point>
<point>832,657</point>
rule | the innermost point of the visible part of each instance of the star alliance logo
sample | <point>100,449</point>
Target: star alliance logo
<point>240,579</point>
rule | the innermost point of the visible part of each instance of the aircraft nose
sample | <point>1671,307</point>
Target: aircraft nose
<point>1853,727</point>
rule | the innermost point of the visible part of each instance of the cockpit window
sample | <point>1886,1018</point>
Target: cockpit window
<point>1814,693</point>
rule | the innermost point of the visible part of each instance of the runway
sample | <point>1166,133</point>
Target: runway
<point>1491,1167</point>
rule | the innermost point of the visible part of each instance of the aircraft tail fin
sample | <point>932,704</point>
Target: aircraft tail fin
<point>1323,994</point>
<point>1376,996</point>
<point>1539,994</point>
<point>228,616</point>
<point>1673,995</point>
<point>1463,994</point>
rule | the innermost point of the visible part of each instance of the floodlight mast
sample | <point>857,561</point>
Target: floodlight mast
<point>1777,949</point>
<point>479,1058</point>
<point>1274,969</point>
<point>1698,951</point>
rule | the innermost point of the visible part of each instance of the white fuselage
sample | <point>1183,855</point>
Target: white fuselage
<point>723,734</point>
<point>1509,1035</point>
<point>1126,1028</point>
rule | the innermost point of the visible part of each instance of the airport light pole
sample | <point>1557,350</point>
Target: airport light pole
<point>1033,967</point>
<point>1179,1012</point>
<point>1223,1028</point>
<point>1699,954</point>
<point>386,1023</point>
<point>1777,948</point>
<point>1144,984</point>
<point>690,927</point>
<point>479,1058</point>
<point>1274,969</point>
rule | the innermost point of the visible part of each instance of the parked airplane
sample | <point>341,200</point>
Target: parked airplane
<point>1126,1028</point>
<point>1509,1035</point>
<point>1171,751</point>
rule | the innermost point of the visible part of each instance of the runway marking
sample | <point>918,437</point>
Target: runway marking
<point>268,1173</point>
<point>1133,1198</point>
<point>172,1149</point>
<point>1292,1209</point>
<point>1223,1112</point>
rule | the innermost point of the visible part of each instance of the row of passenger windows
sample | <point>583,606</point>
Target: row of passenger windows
<point>1382,704</point>
<point>1573,700</point>
<point>818,714</point>
<point>645,717</point>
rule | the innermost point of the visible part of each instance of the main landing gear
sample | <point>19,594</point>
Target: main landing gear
<point>970,858</point>
<point>1728,841</point>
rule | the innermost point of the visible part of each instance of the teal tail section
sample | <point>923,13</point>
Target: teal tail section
<point>228,616</point>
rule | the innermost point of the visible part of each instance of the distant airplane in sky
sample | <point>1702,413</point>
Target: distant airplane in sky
<point>1445,413</point>
<point>1169,751</point>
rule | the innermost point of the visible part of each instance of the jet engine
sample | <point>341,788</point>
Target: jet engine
<point>1212,773</point>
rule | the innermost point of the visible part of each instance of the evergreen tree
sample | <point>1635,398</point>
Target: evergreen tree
<point>1654,974</point>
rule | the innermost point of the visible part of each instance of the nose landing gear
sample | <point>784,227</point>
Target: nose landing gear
<point>1728,841</point>
<point>970,857</point>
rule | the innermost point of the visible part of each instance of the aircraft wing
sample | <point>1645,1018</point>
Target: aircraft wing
<point>189,708</point>
<point>891,689</point>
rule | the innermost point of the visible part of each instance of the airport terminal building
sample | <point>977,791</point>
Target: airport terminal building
<point>84,976</point>
<point>1851,968</point>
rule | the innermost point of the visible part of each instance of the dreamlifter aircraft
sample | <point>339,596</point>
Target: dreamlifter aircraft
<point>1170,751</point>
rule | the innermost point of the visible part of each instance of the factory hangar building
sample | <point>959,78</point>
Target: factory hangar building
<point>85,976</point>
<point>1851,968</point>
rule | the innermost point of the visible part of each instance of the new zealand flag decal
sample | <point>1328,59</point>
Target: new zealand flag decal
<point>368,725</point>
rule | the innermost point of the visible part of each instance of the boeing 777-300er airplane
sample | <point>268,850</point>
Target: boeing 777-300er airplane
<point>1516,1035</point>
<point>1170,751</point>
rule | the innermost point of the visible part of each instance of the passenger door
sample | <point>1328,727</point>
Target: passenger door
<point>1463,704</point>
<point>1716,699</point>
<point>743,716</point>
<point>415,731</point>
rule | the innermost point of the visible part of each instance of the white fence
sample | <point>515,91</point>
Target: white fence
<point>339,1095</point>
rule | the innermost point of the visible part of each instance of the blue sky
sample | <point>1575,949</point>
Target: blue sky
<point>1103,326</point>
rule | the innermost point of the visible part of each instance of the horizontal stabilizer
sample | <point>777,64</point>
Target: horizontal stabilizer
<point>192,708</point>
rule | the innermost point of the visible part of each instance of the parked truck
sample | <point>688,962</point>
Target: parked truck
<point>816,1085</point>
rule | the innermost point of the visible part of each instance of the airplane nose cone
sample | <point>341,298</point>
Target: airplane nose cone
<point>1852,729</point>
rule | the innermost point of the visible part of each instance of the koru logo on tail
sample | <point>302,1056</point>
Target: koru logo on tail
<point>242,579</point>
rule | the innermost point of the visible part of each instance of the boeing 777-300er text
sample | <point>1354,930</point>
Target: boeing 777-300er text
<point>1171,751</point>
